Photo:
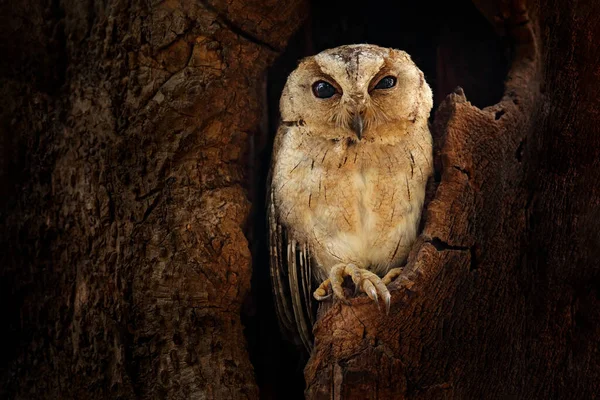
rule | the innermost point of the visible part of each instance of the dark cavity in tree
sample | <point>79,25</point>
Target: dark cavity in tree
<point>453,44</point>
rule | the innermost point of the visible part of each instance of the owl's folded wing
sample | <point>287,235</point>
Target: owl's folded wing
<point>290,264</point>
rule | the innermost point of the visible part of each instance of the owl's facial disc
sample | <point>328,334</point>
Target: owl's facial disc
<point>359,93</point>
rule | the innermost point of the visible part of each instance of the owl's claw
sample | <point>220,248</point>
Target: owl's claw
<point>369,289</point>
<point>337,275</point>
<point>374,287</point>
<point>321,293</point>
<point>391,275</point>
<point>387,299</point>
<point>364,280</point>
<point>387,279</point>
<point>321,298</point>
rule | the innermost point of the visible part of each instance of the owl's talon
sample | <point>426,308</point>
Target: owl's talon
<point>373,295</point>
<point>375,299</point>
<point>387,298</point>
<point>364,280</point>
<point>369,289</point>
<point>321,298</point>
<point>321,293</point>
<point>391,275</point>
<point>373,284</point>
<point>336,277</point>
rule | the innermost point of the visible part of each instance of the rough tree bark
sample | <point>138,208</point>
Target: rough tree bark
<point>124,168</point>
<point>500,299</point>
<point>126,129</point>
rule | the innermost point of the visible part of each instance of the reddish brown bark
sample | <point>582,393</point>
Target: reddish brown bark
<point>126,130</point>
<point>500,299</point>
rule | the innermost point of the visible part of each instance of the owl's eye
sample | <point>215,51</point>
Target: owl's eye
<point>323,90</point>
<point>386,83</point>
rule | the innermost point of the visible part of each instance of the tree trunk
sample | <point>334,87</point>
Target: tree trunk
<point>500,299</point>
<point>125,166</point>
<point>126,131</point>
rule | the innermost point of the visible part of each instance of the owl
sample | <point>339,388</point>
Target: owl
<point>351,159</point>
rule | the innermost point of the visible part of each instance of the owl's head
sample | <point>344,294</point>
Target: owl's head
<point>358,93</point>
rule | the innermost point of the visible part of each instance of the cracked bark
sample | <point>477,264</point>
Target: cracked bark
<point>499,298</point>
<point>126,130</point>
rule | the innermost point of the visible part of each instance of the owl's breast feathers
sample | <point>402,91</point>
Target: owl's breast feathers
<point>352,202</point>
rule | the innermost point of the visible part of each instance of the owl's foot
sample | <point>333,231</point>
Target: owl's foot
<point>391,275</point>
<point>364,280</point>
<point>336,277</point>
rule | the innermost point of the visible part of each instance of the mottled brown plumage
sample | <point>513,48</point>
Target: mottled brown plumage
<point>348,177</point>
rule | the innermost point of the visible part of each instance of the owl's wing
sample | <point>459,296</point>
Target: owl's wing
<point>291,273</point>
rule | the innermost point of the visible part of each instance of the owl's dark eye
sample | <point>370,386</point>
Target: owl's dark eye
<point>386,83</point>
<point>323,90</point>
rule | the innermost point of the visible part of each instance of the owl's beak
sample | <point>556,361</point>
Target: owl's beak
<point>357,124</point>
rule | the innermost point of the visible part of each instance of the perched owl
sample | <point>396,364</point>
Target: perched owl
<point>350,164</point>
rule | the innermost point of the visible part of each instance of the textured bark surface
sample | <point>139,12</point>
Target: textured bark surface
<point>126,133</point>
<point>500,298</point>
<point>126,130</point>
